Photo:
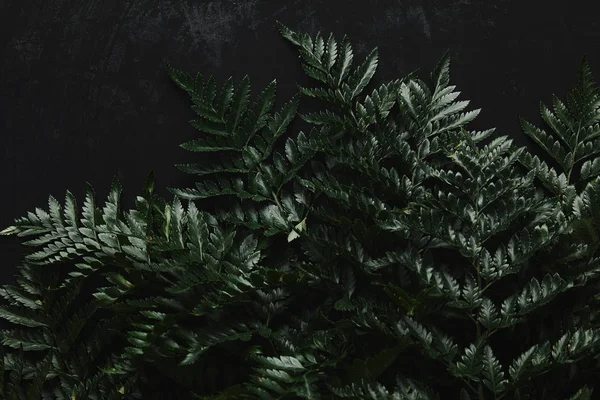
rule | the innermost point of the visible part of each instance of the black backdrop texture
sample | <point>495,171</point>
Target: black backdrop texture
<point>84,95</point>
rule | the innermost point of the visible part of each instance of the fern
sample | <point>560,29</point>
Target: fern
<point>385,254</point>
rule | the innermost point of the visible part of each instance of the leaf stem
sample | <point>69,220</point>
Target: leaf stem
<point>277,201</point>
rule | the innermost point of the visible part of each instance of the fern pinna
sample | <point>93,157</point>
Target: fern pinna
<point>387,253</point>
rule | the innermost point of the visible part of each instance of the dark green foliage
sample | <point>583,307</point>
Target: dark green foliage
<point>387,254</point>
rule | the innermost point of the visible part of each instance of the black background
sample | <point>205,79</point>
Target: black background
<point>84,95</point>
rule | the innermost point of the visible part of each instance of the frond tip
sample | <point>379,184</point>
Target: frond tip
<point>573,136</point>
<point>11,230</point>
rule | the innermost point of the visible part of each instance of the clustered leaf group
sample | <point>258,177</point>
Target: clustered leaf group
<point>386,254</point>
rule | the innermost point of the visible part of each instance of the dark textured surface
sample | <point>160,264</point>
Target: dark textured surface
<point>84,97</point>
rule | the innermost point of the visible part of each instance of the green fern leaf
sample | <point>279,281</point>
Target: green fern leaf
<point>239,105</point>
<point>361,77</point>
<point>492,372</point>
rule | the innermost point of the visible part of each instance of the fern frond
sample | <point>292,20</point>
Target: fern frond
<point>574,129</point>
